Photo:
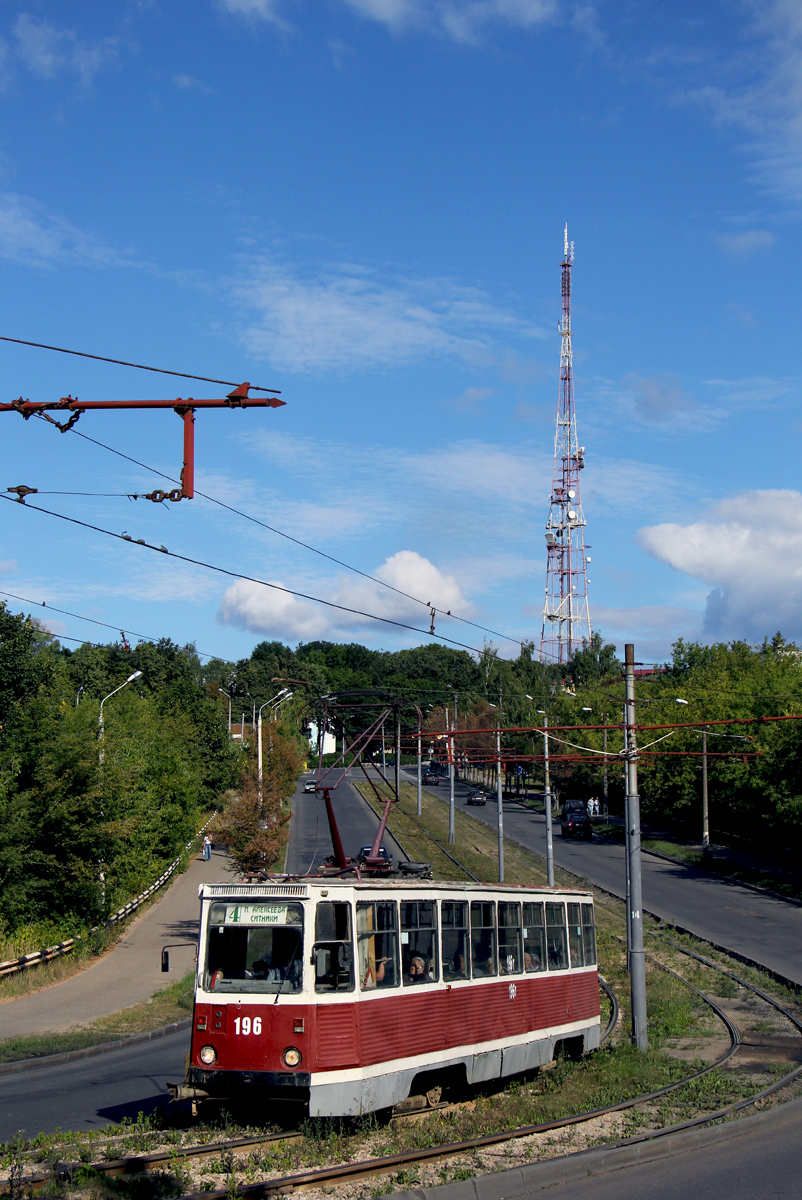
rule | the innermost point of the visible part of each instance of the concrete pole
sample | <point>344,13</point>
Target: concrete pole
<point>451,834</point>
<point>705,821</point>
<point>499,799</point>
<point>398,756</point>
<point>604,787</point>
<point>259,757</point>
<point>640,1035</point>
<point>547,805</point>
<point>384,754</point>
<point>419,775</point>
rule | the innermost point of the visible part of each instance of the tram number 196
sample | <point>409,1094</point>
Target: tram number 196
<point>245,1026</point>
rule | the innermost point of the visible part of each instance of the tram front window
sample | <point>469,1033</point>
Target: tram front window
<point>254,948</point>
<point>534,938</point>
<point>377,940</point>
<point>509,938</point>
<point>483,938</point>
<point>556,942</point>
<point>454,919</point>
<point>418,942</point>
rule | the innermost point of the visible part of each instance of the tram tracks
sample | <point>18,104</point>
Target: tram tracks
<point>226,1151</point>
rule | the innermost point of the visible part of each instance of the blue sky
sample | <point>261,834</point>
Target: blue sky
<point>361,202</point>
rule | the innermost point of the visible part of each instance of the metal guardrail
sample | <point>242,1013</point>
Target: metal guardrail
<point>14,965</point>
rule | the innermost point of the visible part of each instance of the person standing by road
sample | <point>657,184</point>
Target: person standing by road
<point>207,848</point>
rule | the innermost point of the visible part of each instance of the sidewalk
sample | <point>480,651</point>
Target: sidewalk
<point>131,971</point>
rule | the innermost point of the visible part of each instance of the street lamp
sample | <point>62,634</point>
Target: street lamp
<point>228,698</point>
<point>130,679</point>
<point>288,696</point>
<point>100,736</point>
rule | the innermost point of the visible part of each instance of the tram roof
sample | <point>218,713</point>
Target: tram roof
<point>320,884</point>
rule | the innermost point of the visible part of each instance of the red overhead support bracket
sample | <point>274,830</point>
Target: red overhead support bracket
<point>185,409</point>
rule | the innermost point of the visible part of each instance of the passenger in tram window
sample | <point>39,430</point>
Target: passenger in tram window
<point>556,938</point>
<point>588,935</point>
<point>419,940</point>
<point>534,938</point>
<point>483,938</point>
<point>454,919</point>
<point>377,944</point>
<point>509,938</point>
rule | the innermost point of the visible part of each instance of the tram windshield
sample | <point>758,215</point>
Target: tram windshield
<point>254,947</point>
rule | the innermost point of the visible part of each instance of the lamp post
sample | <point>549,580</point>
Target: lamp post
<point>288,696</point>
<point>637,964</point>
<point>100,758</point>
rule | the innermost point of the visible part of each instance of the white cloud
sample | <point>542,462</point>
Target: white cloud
<point>267,611</point>
<point>349,317</point>
<point>659,397</point>
<point>257,10</point>
<point>8,567</point>
<point>188,83</point>
<point>745,243</point>
<point>31,236</point>
<point>471,399</point>
<point>47,50</point>
<point>749,552</point>
<point>652,627</point>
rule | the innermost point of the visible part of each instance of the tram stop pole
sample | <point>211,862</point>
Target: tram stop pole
<point>637,961</point>
<point>499,800</point>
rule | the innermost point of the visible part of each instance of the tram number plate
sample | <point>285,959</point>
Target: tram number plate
<point>513,991</point>
<point>245,1025</point>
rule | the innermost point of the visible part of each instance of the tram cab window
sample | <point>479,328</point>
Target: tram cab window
<point>509,938</point>
<point>377,940</point>
<point>418,942</point>
<point>556,940</point>
<point>333,954</point>
<point>534,938</point>
<point>575,944</point>
<point>483,938</point>
<point>588,935</point>
<point>454,919</point>
<point>254,947</point>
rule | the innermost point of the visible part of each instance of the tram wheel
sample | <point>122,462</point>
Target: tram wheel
<point>434,1096</point>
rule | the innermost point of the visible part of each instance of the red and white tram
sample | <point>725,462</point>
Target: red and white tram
<point>351,996</point>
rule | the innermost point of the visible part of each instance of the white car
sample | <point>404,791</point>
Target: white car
<point>310,785</point>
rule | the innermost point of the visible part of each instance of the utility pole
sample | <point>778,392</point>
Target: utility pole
<point>499,801</point>
<point>397,755</point>
<point>705,821</point>
<point>604,785</point>
<point>637,962</point>
<point>451,834</point>
<point>384,754</point>
<point>626,839</point>
<point>547,804</point>
<point>419,773</point>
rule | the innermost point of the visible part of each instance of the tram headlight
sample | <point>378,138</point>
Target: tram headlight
<point>208,1055</point>
<point>292,1057</point>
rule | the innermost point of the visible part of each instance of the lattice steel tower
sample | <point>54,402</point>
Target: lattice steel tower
<point>566,617</point>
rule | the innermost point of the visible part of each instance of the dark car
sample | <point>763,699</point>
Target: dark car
<point>365,853</point>
<point>476,798</point>
<point>574,820</point>
<point>432,779</point>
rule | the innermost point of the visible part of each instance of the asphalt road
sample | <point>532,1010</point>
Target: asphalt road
<point>739,918</point>
<point>89,1093</point>
<point>310,840</point>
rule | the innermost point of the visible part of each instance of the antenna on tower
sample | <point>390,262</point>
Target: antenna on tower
<point>566,617</point>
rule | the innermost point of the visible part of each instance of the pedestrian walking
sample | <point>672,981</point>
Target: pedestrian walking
<point>207,848</point>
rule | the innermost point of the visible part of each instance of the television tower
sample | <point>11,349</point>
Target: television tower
<point>566,617</point>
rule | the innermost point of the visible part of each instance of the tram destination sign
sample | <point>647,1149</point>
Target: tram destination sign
<point>260,914</point>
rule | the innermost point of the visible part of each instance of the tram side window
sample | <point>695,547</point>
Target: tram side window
<point>534,938</point>
<point>483,938</point>
<point>588,935</point>
<point>334,948</point>
<point>509,938</point>
<point>575,944</point>
<point>556,942</point>
<point>419,941</point>
<point>377,939</point>
<point>454,919</point>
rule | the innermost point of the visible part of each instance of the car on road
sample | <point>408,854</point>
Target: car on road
<point>476,798</point>
<point>310,785</point>
<point>365,853</point>
<point>431,779</point>
<point>574,820</point>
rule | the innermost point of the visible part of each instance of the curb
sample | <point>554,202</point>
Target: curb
<point>587,1164</point>
<point>51,1060</point>
<point>753,887</point>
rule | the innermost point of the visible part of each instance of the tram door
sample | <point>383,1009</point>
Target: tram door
<point>456,968</point>
<point>337,1022</point>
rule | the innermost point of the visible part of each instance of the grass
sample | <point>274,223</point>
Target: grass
<point>173,1003</point>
